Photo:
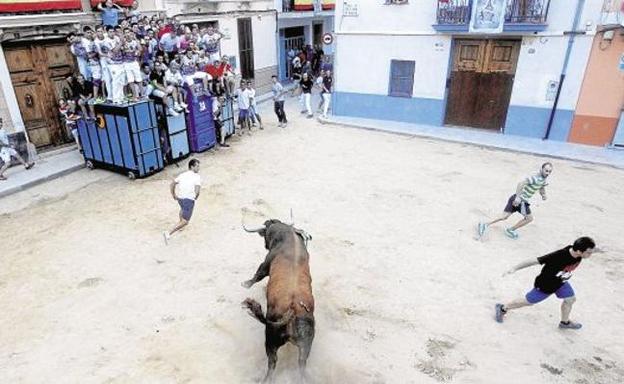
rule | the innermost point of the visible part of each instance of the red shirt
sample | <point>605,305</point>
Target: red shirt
<point>218,71</point>
<point>166,29</point>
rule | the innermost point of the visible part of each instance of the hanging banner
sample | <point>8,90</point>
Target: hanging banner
<point>304,5</point>
<point>15,6</point>
<point>121,3</point>
<point>488,16</point>
<point>328,5</point>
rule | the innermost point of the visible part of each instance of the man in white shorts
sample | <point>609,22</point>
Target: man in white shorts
<point>103,45</point>
<point>7,151</point>
<point>210,42</point>
<point>156,87</point>
<point>173,78</point>
<point>131,64</point>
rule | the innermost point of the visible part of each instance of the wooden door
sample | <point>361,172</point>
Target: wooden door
<point>481,82</point>
<point>38,73</point>
<point>245,48</point>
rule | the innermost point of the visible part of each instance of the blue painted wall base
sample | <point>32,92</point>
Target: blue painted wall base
<point>521,120</point>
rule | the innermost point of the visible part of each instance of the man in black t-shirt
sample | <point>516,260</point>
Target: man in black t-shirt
<point>557,269</point>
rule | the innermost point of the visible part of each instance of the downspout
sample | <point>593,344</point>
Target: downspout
<point>577,16</point>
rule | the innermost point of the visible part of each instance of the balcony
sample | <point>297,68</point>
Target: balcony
<point>311,7</point>
<point>520,15</point>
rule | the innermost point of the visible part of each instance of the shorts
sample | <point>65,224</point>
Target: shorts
<point>243,114</point>
<point>158,93</point>
<point>133,72</point>
<point>535,295</point>
<point>524,208</point>
<point>6,153</point>
<point>186,208</point>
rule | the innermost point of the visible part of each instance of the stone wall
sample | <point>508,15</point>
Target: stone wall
<point>262,79</point>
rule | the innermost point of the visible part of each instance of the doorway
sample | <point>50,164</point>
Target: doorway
<point>38,73</point>
<point>317,32</point>
<point>245,48</point>
<point>481,82</point>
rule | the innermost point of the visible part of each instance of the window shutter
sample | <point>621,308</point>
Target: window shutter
<point>401,78</point>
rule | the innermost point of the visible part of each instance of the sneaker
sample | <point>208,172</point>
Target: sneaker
<point>570,325</point>
<point>184,105</point>
<point>166,236</point>
<point>511,233</point>
<point>261,127</point>
<point>172,112</point>
<point>481,227</point>
<point>499,313</point>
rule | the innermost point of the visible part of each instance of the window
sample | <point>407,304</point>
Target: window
<point>401,78</point>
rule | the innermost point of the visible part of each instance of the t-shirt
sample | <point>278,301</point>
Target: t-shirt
<point>110,16</point>
<point>186,184</point>
<point>306,85</point>
<point>327,84</point>
<point>277,90</point>
<point>158,78</point>
<point>169,42</point>
<point>242,96</point>
<point>558,267</point>
<point>252,97</point>
<point>173,78</point>
<point>534,184</point>
<point>211,43</point>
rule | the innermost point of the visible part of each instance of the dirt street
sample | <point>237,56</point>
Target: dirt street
<point>404,294</point>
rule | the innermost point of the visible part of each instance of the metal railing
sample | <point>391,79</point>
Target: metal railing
<point>453,11</point>
<point>527,11</point>
<point>457,12</point>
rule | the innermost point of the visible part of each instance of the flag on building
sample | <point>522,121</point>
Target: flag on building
<point>328,5</point>
<point>304,5</point>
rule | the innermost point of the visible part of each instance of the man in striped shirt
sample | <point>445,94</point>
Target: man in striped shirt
<point>519,201</point>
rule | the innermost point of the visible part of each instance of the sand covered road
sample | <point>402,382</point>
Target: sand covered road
<point>404,294</point>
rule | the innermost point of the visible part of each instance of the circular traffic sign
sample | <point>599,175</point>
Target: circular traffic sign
<point>328,38</point>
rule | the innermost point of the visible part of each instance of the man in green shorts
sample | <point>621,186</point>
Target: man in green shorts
<point>519,201</point>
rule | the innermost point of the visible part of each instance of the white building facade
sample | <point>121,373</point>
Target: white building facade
<point>492,64</point>
<point>302,23</point>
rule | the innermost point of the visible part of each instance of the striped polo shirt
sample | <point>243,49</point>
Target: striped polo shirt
<point>534,184</point>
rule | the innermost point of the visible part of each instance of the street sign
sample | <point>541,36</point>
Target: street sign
<point>328,39</point>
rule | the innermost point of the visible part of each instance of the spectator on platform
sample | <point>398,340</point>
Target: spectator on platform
<point>79,48</point>
<point>83,91</point>
<point>173,78</point>
<point>132,53</point>
<point>133,14</point>
<point>103,45</point>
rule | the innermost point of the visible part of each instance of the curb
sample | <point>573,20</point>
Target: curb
<point>41,180</point>
<point>481,145</point>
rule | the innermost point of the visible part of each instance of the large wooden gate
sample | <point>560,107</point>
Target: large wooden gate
<point>481,82</point>
<point>38,72</point>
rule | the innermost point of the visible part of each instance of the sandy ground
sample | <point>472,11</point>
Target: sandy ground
<point>404,294</point>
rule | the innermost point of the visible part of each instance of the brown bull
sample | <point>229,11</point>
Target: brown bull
<point>290,304</point>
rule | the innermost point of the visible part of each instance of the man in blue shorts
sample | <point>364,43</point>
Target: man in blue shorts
<point>188,185</point>
<point>557,270</point>
<point>519,201</point>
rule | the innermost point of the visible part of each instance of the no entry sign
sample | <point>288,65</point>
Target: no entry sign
<point>328,38</point>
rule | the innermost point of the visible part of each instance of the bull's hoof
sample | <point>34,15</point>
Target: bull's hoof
<point>247,284</point>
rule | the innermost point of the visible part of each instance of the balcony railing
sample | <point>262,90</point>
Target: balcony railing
<point>519,12</point>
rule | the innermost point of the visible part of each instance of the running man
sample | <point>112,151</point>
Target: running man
<point>557,270</point>
<point>188,186</point>
<point>519,201</point>
<point>7,151</point>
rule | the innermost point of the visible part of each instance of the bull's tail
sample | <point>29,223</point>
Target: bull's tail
<point>255,311</point>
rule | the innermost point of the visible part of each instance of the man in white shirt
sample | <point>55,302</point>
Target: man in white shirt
<point>253,106</point>
<point>188,185</point>
<point>7,151</point>
<point>244,102</point>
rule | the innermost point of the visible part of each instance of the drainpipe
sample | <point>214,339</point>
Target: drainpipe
<point>579,9</point>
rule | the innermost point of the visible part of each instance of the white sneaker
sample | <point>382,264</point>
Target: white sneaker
<point>171,112</point>
<point>177,107</point>
<point>166,236</point>
<point>183,105</point>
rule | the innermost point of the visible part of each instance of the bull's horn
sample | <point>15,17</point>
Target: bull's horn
<point>254,230</point>
<point>292,220</point>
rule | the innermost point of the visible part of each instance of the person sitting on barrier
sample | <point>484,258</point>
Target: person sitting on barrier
<point>7,151</point>
<point>253,107</point>
<point>158,89</point>
<point>84,91</point>
<point>227,73</point>
<point>173,78</point>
